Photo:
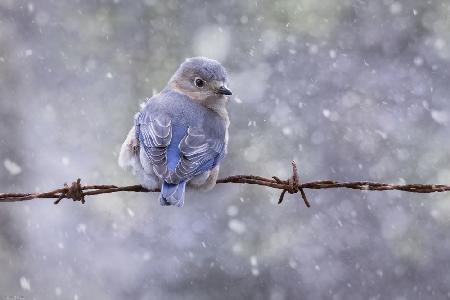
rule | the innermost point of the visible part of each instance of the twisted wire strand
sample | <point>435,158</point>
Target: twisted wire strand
<point>77,192</point>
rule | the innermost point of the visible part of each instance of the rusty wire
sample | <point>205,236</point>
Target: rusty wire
<point>78,192</point>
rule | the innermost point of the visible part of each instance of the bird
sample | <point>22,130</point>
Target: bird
<point>180,136</point>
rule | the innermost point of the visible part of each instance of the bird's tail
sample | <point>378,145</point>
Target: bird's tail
<point>172,194</point>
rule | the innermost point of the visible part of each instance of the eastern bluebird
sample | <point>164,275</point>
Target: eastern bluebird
<point>181,134</point>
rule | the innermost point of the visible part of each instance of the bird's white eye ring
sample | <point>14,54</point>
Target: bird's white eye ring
<point>199,82</point>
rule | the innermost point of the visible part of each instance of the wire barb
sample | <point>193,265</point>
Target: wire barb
<point>74,192</point>
<point>292,186</point>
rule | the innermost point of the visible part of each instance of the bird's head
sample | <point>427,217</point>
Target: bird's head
<point>201,79</point>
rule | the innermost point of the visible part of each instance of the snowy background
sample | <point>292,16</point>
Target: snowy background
<point>351,90</point>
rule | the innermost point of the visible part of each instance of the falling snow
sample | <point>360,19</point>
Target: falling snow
<point>232,210</point>
<point>237,226</point>
<point>65,161</point>
<point>130,212</point>
<point>81,228</point>
<point>441,117</point>
<point>350,90</point>
<point>12,167</point>
<point>25,283</point>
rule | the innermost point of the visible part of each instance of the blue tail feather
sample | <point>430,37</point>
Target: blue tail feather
<point>172,194</point>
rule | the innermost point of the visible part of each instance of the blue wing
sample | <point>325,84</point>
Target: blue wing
<point>155,136</point>
<point>178,152</point>
<point>198,153</point>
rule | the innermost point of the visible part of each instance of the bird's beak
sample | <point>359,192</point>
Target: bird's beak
<point>223,91</point>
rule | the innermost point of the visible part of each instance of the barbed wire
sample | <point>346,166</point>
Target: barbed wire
<point>78,192</point>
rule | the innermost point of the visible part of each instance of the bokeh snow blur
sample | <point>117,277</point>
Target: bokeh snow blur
<point>351,90</point>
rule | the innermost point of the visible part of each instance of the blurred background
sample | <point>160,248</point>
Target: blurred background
<point>351,90</point>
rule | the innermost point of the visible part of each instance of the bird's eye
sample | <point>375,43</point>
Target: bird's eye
<point>199,82</point>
